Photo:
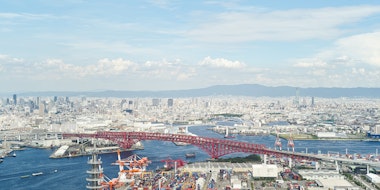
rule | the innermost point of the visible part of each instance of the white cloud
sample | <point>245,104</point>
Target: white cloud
<point>308,63</point>
<point>58,69</point>
<point>185,76</point>
<point>363,47</point>
<point>358,71</point>
<point>10,59</point>
<point>104,67</point>
<point>115,66</point>
<point>288,25</point>
<point>347,52</point>
<point>352,61</point>
<point>317,72</point>
<point>28,16</point>
<point>161,70</point>
<point>163,4</point>
<point>2,56</point>
<point>162,63</point>
<point>117,47</point>
<point>221,63</point>
<point>325,73</point>
<point>167,70</point>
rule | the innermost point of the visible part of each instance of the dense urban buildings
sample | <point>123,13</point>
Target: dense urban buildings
<point>341,117</point>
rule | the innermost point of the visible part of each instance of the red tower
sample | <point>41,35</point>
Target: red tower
<point>290,141</point>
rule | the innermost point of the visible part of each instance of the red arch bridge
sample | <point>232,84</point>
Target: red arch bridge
<point>214,147</point>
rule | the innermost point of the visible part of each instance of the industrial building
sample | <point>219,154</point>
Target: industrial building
<point>217,166</point>
<point>374,132</point>
<point>373,178</point>
<point>320,174</point>
<point>265,171</point>
<point>331,135</point>
<point>327,179</point>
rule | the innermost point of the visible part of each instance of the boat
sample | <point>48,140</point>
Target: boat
<point>1,160</point>
<point>371,140</point>
<point>227,134</point>
<point>183,130</point>
<point>15,147</point>
<point>37,174</point>
<point>190,155</point>
<point>14,154</point>
<point>181,143</point>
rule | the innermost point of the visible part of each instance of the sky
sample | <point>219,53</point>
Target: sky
<point>86,45</point>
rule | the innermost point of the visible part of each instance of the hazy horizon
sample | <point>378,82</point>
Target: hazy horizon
<point>252,90</point>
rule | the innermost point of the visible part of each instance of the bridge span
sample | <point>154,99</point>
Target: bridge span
<point>214,147</point>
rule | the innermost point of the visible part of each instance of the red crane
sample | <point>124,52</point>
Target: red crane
<point>291,142</point>
<point>170,163</point>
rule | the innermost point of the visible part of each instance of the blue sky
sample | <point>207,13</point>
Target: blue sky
<point>164,45</point>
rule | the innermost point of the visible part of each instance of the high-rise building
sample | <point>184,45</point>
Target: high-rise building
<point>136,104</point>
<point>38,101</point>
<point>31,105</point>
<point>122,103</point>
<point>14,99</point>
<point>130,103</point>
<point>312,101</point>
<point>170,102</point>
<point>296,101</point>
<point>155,101</point>
<point>41,110</point>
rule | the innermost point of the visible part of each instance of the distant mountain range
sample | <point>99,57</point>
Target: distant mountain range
<point>253,90</point>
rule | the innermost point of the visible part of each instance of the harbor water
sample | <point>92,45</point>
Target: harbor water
<point>70,173</point>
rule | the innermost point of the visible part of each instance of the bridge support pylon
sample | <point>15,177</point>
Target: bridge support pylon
<point>317,165</point>
<point>278,142</point>
<point>367,169</point>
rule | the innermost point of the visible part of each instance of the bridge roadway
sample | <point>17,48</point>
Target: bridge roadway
<point>212,146</point>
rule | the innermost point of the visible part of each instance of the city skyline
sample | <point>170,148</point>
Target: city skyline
<point>174,45</point>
